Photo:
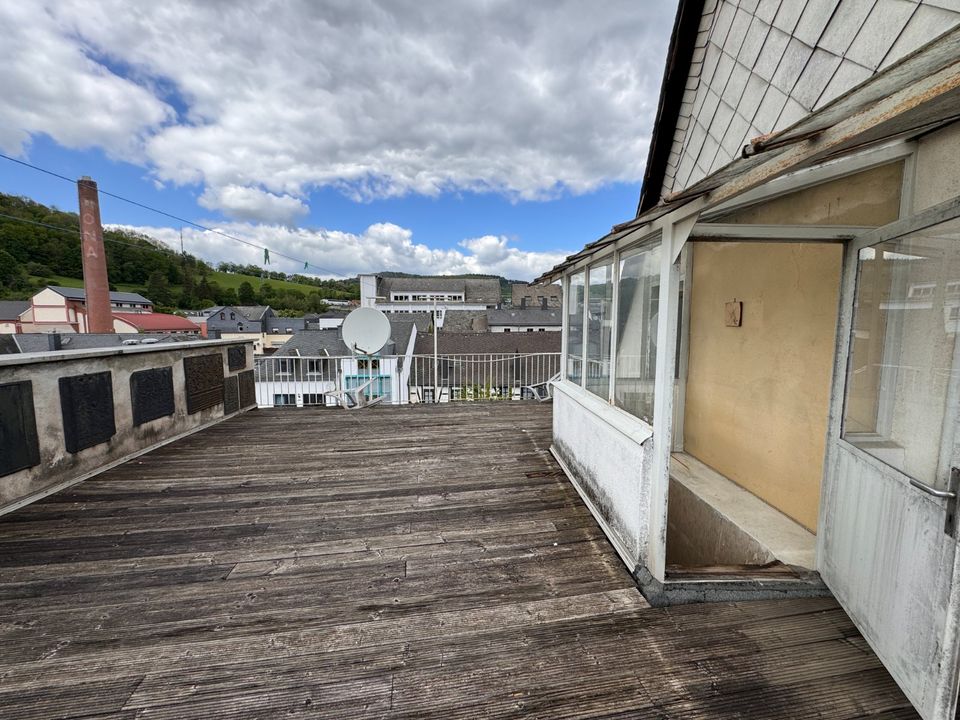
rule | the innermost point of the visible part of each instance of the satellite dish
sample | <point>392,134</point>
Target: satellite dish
<point>366,330</point>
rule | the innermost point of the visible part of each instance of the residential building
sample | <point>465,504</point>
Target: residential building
<point>424,294</point>
<point>261,325</point>
<point>524,319</point>
<point>244,319</point>
<point>315,362</point>
<point>11,312</point>
<point>63,309</point>
<point>760,367</point>
<point>542,296</point>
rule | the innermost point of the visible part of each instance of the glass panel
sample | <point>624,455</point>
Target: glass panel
<point>574,302</point>
<point>903,347</point>
<point>600,319</point>
<point>637,333</point>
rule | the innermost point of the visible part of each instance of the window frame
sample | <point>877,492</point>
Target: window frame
<point>935,215</point>
<point>614,258</point>
<point>607,261</point>
<point>647,244</point>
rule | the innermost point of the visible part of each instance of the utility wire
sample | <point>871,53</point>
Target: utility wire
<point>77,232</point>
<point>175,217</point>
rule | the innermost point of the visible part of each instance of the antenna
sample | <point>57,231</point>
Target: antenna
<point>366,330</point>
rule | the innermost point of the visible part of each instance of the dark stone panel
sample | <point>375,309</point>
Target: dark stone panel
<point>86,403</point>
<point>237,357</point>
<point>248,390</point>
<point>204,379</point>
<point>151,392</point>
<point>19,444</point>
<point>231,394</point>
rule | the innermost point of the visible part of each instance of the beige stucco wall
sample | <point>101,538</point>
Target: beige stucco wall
<point>938,157</point>
<point>757,396</point>
<point>869,198</point>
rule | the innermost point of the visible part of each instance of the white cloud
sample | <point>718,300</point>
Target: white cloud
<point>383,246</point>
<point>50,85</point>
<point>247,203</point>
<point>375,97</point>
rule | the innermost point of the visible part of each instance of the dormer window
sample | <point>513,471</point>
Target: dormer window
<point>233,316</point>
<point>223,316</point>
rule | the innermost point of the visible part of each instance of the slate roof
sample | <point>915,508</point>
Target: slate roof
<point>80,294</point>
<point>475,290</point>
<point>8,344</point>
<point>465,321</point>
<point>422,284</point>
<point>310,343</point>
<point>759,67</point>
<point>253,313</point>
<point>282,323</point>
<point>329,341</point>
<point>467,343</point>
<point>12,309</point>
<point>524,316</point>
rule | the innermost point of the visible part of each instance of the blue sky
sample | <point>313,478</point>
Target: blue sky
<point>364,136</point>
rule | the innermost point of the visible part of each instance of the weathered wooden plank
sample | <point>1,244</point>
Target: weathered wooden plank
<point>446,570</point>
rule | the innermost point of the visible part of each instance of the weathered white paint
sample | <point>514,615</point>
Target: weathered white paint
<point>606,454</point>
<point>883,553</point>
<point>882,550</point>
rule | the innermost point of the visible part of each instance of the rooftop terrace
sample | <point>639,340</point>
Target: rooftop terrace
<point>403,562</point>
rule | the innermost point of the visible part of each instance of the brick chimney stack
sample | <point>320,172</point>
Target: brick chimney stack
<point>96,286</point>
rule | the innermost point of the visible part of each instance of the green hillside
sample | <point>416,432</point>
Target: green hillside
<point>45,250</point>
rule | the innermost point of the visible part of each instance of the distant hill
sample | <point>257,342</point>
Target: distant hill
<point>33,256</point>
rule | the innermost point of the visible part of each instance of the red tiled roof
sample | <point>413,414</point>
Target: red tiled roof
<point>157,322</point>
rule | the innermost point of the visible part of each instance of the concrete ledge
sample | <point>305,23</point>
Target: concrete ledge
<point>15,359</point>
<point>633,427</point>
<point>684,592</point>
<point>753,531</point>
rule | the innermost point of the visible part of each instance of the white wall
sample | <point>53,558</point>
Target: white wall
<point>607,456</point>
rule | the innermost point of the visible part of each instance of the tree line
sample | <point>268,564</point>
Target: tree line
<point>33,256</point>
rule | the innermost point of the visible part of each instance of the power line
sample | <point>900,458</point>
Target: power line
<point>176,217</point>
<point>77,232</point>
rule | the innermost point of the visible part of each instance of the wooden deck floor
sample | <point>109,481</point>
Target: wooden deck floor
<point>414,562</point>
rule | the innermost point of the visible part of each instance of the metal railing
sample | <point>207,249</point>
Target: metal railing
<point>400,379</point>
